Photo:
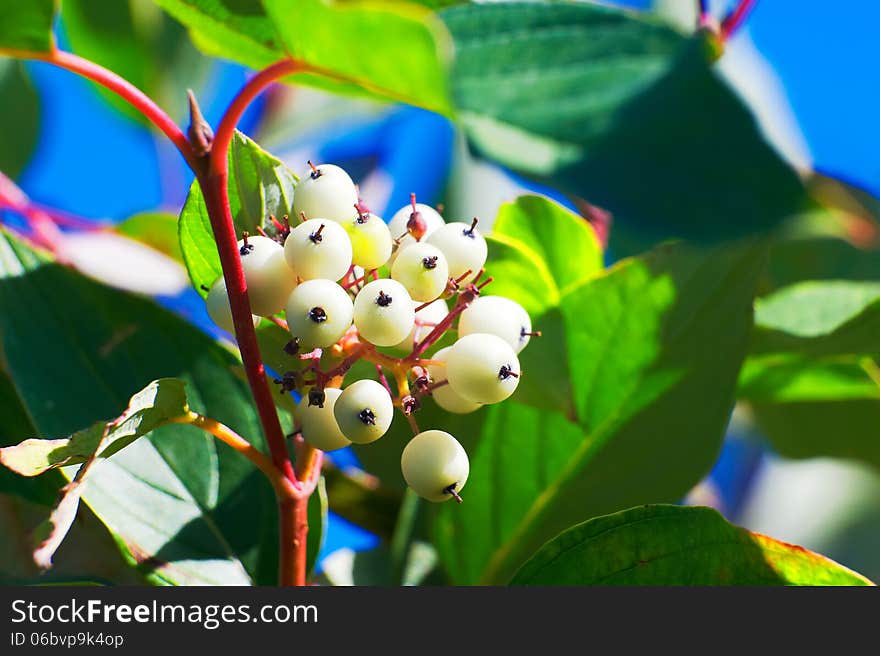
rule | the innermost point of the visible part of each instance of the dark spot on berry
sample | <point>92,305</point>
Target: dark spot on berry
<point>383,299</point>
<point>316,397</point>
<point>469,232</point>
<point>430,262</point>
<point>450,489</point>
<point>506,372</point>
<point>367,416</point>
<point>316,235</point>
<point>316,172</point>
<point>245,249</point>
<point>292,347</point>
<point>318,315</point>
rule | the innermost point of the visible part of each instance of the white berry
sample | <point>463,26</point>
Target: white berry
<point>370,241</point>
<point>364,411</point>
<point>326,192</point>
<point>444,396</point>
<point>318,313</point>
<point>426,319</point>
<point>318,248</point>
<point>422,269</point>
<point>318,425</point>
<point>435,465</point>
<point>464,247</point>
<point>217,304</point>
<point>383,312</point>
<point>497,315</point>
<point>269,279</point>
<point>482,368</point>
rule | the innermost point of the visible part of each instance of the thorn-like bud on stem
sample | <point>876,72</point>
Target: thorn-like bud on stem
<point>199,132</point>
<point>302,217</point>
<point>262,232</point>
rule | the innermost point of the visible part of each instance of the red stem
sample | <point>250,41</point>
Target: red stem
<point>125,89</point>
<point>735,18</point>
<point>253,88</point>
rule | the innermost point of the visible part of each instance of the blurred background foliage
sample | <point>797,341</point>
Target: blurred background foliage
<point>799,467</point>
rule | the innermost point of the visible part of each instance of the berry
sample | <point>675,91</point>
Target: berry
<point>429,217</point>
<point>318,248</point>
<point>426,319</point>
<point>422,269</point>
<point>325,191</point>
<point>497,315</point>
<point>318,425</point>
<point>217,304</point>
<point>370,241</point>
<point>464,247</point>
<point>435,465</point>
<point>446,397</point>
<point>364,411</point>
<point>383,312</point>
<point>482,368</point>
<point>269,279</point>
<point>318,313</point>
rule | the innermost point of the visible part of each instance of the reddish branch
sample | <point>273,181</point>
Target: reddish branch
<point>735,18</point>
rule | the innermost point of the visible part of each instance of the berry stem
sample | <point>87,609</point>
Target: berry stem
<point>441,327</point>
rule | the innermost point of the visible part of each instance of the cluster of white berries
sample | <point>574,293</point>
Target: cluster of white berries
<point>324,274</point>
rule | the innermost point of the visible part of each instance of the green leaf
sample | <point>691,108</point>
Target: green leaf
<point>156,404</point>
<point>259,185</point>
<point>182,507</point>
<point>238,30</point>
<point>812,407</point>
<point>44,490</point>
<point>258,33</point>
<point>819,317</point>
<point>27,25</point>
<point>403,33</point>
<point>672,545</point>
<point>317,512</point>
<point>643,341</point>
<point>538,252</point>
<point>20,116</point>
<point>621,110</point>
